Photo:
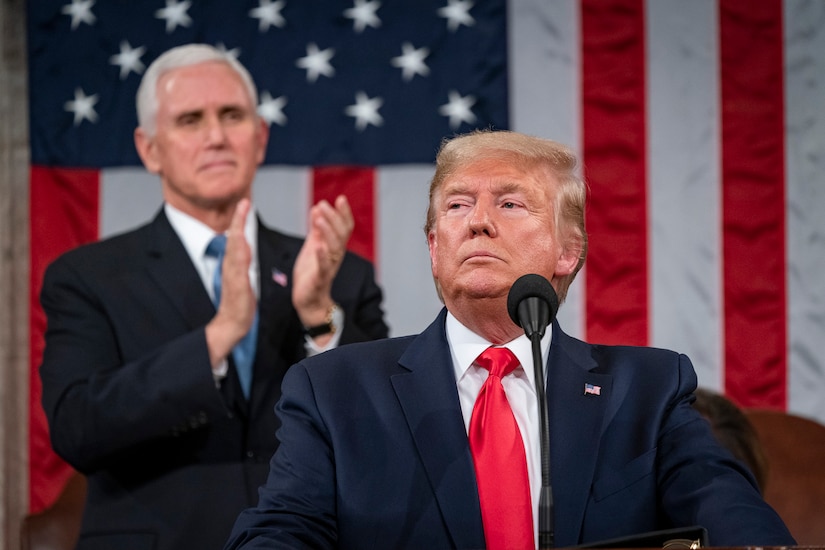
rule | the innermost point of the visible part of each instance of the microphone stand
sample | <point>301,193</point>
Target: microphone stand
<point>546,529</point>
<point>532,304</point>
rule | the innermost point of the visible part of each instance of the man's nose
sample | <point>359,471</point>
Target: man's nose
<point>215,131</point>
<point>481,220</point>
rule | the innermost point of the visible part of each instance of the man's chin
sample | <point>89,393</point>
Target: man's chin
<point>224,195</point>
<point>483,287</point>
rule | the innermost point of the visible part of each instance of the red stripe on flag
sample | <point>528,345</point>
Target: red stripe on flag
<point>753,202</point>
<point>358,184</point>
<point>64,207</point>
<point>614,145</point>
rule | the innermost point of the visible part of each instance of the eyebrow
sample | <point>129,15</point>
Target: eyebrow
<point>233,107</point>
<point>230,108</point>
<point>501,188</point>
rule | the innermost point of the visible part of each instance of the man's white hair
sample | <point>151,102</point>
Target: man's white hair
<point>176,58</point>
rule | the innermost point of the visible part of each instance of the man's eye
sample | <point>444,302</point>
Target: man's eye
<point>509,205</point>
<point>233,115</point>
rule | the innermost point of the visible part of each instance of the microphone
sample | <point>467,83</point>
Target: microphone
<point>532,304</point>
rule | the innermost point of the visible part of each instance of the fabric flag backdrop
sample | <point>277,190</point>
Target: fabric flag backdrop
<point>699,123</point>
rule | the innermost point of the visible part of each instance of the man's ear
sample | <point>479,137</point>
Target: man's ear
<point>432,245</point>
<point>263,139</point>
<point>145,146</point>
<point>569,259</point>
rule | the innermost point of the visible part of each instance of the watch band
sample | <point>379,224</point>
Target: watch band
<point>327,327</point>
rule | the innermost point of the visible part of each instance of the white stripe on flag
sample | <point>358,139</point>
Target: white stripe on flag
<point>805,195</point>
<point>684,183</point>
<point>128,197</point>
<point>410,299</point>
<point>282,197</point>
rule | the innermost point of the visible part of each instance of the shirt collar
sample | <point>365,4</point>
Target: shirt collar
<point>465,346</point>
<point>196,235</point>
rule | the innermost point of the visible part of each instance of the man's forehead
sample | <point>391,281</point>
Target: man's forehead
<point>495,176</point>
<point>205,83</point>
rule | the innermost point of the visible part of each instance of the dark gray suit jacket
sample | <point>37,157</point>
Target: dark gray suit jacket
<point>129,395</point>
<point>374,453</point>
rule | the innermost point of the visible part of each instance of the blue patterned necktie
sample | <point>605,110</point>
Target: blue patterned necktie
<point>244,351</point>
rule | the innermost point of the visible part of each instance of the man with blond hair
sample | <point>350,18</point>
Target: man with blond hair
<point>433,441</point>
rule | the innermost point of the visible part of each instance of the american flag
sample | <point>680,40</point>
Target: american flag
<point>699,124</point>
<point>280,277</point>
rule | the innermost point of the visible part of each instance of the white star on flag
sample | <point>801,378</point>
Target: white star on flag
<point>268,14</point>
<point>81,12</point>
<point>234,52</point>
<point>458,109</point>
<point>411,61</point>
<point>316,62</point>
<point>272,110</point>
<point>128,59</point>
<point>175,14</point>
<point>365,111</point>
<point>363,15</point>
<point>82,106</point>
<point>457,13</point>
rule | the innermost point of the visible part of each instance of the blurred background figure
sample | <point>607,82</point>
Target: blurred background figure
<point>734,431</point>
<point>166,345</point>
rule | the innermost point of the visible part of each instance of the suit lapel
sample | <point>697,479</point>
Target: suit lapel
<point>576,419</point>
<point>169,266</point>
<point>429,399</point>
<point>278,323</point>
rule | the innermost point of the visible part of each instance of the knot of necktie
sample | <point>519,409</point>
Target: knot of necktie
<point>216,247</point>
<point>499,361</point>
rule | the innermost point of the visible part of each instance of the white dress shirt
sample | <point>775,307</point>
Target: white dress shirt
<point>519,387</point>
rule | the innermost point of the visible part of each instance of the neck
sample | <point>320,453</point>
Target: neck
<point>488,318</point>
<point>217,221</point>
<point>216,217</point>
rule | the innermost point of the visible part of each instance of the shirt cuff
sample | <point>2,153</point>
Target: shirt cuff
<point>219,372</point>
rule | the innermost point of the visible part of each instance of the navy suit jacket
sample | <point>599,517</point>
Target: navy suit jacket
<point>374,452</point>
<point>171,459</point>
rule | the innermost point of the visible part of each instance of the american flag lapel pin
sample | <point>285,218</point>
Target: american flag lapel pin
<point>591,389</point>
<point>279,277</point>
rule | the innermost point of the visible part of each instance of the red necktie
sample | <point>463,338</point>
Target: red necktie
<point>500,462</point>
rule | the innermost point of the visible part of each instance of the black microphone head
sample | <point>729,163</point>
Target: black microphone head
<point>531,286</point>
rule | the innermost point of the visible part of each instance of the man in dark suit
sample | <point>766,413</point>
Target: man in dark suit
<point>141,385</point>
<point>379,441</point>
